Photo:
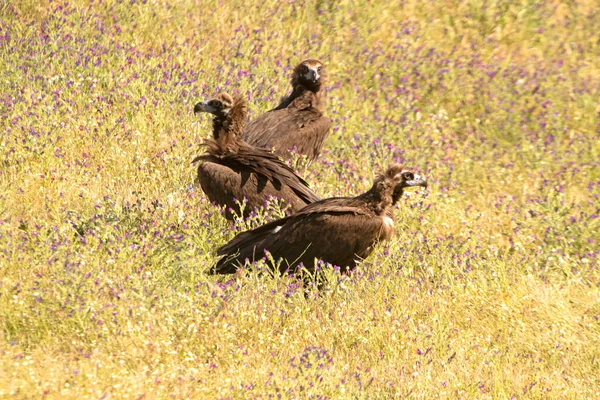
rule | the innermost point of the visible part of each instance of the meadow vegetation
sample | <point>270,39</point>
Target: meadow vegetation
<point>489,289</point>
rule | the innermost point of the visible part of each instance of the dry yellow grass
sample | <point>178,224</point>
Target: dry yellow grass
<point>490,288</point>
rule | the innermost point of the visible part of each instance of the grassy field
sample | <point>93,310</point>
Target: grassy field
<point>490,288</point>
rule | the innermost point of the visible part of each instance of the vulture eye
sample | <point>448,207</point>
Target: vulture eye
<point>214,103</point>
<point>304,68</point>
<point>319,69</point>
<point>408,176</point>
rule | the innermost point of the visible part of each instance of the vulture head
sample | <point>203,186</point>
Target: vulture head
<point>219,106</point>
<point>389,186</point>
<point>403,177</point>
<point>230,114</point>
<point>310,74</point>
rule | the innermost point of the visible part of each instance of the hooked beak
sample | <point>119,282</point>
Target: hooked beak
<point>203,107</point>
<point>417,181</point>
<point>312,75</point>
<point>399,189</point>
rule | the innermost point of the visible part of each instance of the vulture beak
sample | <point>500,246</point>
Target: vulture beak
<point>417,181</point>
<point>203,107</point>
<point>312,75</point>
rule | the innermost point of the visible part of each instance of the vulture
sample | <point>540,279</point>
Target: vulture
<point>231,170</point>
<point>298,121</point>
<point>338,230</point>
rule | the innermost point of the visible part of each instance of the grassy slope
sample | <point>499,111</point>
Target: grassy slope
<point>489,289</point>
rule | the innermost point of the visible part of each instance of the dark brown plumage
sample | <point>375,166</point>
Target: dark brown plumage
<point>338,230</point>
<point>298,121</point>
<point>231,169</point>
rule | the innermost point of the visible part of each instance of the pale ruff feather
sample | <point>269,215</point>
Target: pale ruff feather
<point>388,222</point>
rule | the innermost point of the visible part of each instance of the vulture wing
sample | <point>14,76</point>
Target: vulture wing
<point>223,186</point>
<point>264,163</point>
<point>335,230</point>
<point>301,124</point>
<point>254,174</point>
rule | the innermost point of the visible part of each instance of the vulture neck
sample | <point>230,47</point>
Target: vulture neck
<point>380,197</point>
<point>227,142</point>
<point>233,126</point>
<point>298,89</point>
<point>397,195</point>
<point>227,129</point>
<point>219,126</point>
<point>313,87</point>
